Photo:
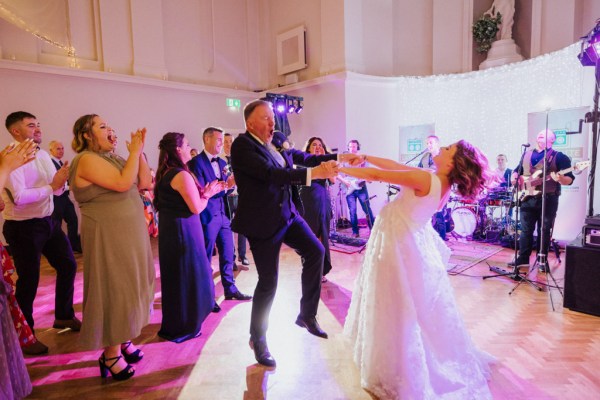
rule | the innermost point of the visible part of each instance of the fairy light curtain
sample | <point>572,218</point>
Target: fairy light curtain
<point>48,20</point>
<point>489,108</point>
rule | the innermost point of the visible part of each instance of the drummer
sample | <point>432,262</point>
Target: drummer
<point>502,173</point>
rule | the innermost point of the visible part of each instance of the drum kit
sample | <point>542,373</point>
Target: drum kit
<point>487,218</point>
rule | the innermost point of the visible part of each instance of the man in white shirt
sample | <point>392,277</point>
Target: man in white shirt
<point>63,206</point>
<point>30,229</point>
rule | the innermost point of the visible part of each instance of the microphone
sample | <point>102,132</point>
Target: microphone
<point>526,145</point>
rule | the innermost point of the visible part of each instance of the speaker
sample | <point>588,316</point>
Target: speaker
<point>582,278</point>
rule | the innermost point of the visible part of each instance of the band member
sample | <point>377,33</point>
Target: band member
<point>531,204</point>
<point>433,149</point>
<point>356,189</point>
<point>502,172</point>
<point>441,219</point>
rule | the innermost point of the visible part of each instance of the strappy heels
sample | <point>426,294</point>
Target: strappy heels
<point>134,356</point>
<point>122,375</point>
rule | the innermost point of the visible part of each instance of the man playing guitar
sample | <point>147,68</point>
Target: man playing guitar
<point>356,190</point>
<point>531,206</point>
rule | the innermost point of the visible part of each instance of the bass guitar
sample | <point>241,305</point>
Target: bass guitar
<point>528,188</point>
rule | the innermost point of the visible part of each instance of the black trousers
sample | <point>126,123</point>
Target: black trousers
<point>531,219</point>
<point>28,240</point>
<point>298,236</point>
<point>65,210</point>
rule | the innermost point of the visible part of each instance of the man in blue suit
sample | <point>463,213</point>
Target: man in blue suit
<point>207,167</point>
<point>267,216</point>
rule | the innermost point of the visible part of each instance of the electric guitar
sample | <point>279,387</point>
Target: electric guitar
<point>527,189</point>
<point>352,184</point>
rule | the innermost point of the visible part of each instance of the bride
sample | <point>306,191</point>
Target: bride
<point>408,338</point>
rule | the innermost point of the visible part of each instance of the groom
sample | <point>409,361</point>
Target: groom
<point>266,215</point>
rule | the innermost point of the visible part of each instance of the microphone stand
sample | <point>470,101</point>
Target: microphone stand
<point>542,256</point>
<point>415,157</point>
<point>515,275</point>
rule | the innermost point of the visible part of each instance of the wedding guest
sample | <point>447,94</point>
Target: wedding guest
<point>118,267</point>
<point>316,202</point>
<point>14,378</point>
<point>30,229</point>
<point>64,209</point>
<point>267,216</point>
<point>186,275</point>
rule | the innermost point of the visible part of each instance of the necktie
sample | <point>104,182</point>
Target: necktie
<point>278,157</point>
<point>214,159</point>
<point>60,163</point>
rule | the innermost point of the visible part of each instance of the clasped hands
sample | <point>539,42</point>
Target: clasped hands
<point>330,169</point>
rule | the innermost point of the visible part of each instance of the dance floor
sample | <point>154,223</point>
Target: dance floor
<point>542,353</point>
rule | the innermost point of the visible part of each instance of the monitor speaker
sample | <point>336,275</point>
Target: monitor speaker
<point>582,278</point>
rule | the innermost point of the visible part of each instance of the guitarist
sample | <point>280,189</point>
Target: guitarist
<point>442,220</point>
<point>357,190</point>
<point>531,207</point>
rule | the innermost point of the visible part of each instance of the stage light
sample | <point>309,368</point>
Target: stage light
<point>291,105</point>
<point>280,106</point>
<point>300,107</point>
<point>590,47</point>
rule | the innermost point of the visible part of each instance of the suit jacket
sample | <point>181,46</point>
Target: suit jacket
<point>201,167</point>
<point>265,188</point>
<point>62,198</point>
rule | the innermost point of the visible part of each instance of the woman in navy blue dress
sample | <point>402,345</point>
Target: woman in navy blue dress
<point>186,276</point>
<point>316,202</point>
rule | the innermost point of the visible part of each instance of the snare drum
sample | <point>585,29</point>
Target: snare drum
<point>465,221</point>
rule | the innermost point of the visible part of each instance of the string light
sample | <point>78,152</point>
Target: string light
<point>490,108</point>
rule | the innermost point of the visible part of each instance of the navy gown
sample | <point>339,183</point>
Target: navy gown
<point>185,274</point>
<point>316,203</point>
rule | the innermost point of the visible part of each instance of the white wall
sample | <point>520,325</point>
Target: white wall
<point>58,98</point>
<point>414,56</point>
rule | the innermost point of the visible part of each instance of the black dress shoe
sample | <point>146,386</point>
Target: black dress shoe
<point>312,326</point>
<point>261,353</point>
<point>34,349</point>
<point>216,308</point>
<point>244,261</point>
<point>74,324</point>
<point>238,296</point>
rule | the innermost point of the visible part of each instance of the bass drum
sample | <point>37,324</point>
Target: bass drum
<point>465,221</point>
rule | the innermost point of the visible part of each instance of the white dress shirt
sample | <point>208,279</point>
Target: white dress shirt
<point>214,165</point>
<point>28,193</point>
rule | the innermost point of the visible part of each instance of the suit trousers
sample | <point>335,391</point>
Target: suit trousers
<point>28,240</point>
<point>65,210</point>
<point>297,235</point>
<point>218,232</point>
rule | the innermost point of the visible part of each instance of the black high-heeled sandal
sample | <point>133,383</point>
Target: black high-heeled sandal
<point>132,357</point>
<point>122,375</point>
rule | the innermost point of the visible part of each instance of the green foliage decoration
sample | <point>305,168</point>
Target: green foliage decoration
<point>485,30</point>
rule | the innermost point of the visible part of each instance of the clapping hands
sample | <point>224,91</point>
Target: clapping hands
<point>213,188</point>
<point>138,139</point>
<point>15,155</point>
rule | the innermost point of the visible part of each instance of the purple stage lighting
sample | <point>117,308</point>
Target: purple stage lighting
<point>291,106</point>
<point>590,47</point>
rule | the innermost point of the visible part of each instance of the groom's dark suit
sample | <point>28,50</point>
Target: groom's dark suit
<point>215,220</point>
<point>266,215</point>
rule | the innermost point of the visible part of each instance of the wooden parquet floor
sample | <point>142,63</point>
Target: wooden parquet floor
<point>542,353</point>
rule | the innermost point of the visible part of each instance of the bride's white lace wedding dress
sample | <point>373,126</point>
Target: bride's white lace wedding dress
<point>408,338</point>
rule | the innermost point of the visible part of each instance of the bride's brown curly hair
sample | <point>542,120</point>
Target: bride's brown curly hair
<point>471,173</point>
